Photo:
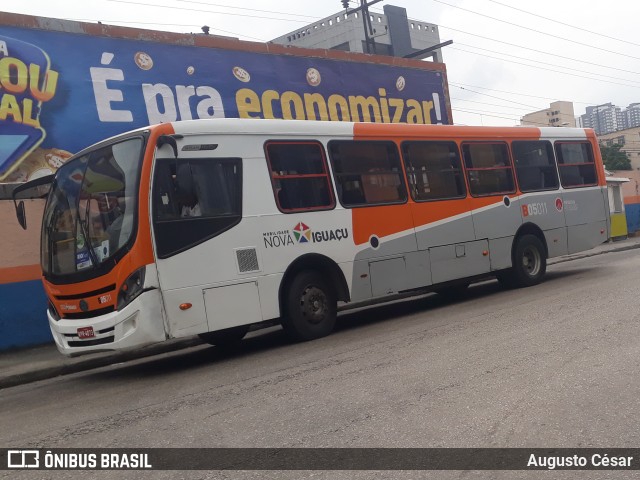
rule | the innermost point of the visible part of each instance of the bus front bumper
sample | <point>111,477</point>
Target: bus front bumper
<point>139,323</point>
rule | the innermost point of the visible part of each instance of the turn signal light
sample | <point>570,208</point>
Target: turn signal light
<point>185,306</point>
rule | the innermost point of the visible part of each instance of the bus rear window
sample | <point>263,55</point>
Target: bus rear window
<point>299,176</point>
<point>576,164</point>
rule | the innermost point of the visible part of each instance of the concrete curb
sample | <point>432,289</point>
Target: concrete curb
<point>578,256</point>
<point>81,364</point>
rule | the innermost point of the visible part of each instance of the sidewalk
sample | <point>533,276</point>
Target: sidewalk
<point>38,363</point>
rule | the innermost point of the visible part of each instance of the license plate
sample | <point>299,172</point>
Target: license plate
<point>86,332</point>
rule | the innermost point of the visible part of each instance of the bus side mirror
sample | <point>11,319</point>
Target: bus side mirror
<point>22,217</point>
<point>38,188</point>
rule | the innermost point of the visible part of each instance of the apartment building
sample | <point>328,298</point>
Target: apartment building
<point>559,114</point>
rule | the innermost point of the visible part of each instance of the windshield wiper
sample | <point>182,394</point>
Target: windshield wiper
<point>84,229</point>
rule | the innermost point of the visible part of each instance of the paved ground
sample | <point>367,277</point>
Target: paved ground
<point>38,363</point>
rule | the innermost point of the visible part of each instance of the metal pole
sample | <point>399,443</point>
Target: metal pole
<point>365,11</point>
<point>365,16</point>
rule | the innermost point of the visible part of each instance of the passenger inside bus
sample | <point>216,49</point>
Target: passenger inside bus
<point>112,213</point>
<point>186,192</point>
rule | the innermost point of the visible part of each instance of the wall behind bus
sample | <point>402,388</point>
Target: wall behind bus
<point>23,319</point>
<point>631,195</point>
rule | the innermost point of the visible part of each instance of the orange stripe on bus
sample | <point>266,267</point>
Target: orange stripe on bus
<point>23,273</point>
<point>393,219</point>
<point>380,221</point>
<point>428,212</point>
<point>455,132</point>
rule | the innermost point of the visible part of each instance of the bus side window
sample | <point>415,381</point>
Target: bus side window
<point>488,168</point>
<point>535,165</point>
<point>194,201</point>
<point>367,172</point>
<point>299,176</point>
<point>576,164</point>
<point>164,199</point>
<point>434,170</point>
<point>186,192</point>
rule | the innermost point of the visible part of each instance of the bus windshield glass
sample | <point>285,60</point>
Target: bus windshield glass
<point>91,210</point>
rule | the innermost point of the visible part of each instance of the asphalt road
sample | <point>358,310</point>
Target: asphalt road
<point>554,365</point>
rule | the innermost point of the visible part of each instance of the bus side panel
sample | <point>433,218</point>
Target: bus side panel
<point>183,323</point>
<point>500,253</point>
<point>544,209</point>
<point>586,216</point>
<point>440,222</point>
<point>556,242</point>
<point>450,262</point>
<point>498,220</point>
<point>387,266</point>
<point>231,305</point>
<point>385,237</point>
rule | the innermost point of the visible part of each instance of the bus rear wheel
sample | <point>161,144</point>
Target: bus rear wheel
<point>227,337</point>
<point>311,307</point>
<point>529,263</point>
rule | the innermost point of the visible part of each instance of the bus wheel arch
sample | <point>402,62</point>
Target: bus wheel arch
<point>309,292</point>
<point>529,254</point>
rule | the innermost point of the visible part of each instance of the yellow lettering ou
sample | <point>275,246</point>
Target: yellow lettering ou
<point>28,118</point>
<point>247,102</point>
<point>313,100</point>
<point>384,105</point>
<point>287,100</point>
<point>268,96</point>
<point>334,102</point>
<point>49,85</point>
<point>13,68</point>
<point>366,105</point>
<point>9,106</point>
<point>427,107</point>
<point>414,114</point>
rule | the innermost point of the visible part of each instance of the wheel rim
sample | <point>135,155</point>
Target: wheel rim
<point>531,261</point>
<point>314,305</point>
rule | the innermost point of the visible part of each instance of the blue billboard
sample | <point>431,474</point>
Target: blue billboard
<point>61,92</point>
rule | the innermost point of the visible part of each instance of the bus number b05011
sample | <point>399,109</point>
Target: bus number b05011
<point>539,208</point>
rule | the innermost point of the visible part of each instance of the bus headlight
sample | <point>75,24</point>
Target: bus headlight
<point>131,288</point>
<point>53,312</point>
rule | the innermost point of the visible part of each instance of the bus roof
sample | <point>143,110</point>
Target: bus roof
<point>360,129</point>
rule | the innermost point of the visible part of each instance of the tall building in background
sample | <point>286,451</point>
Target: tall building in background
<point>604,119</point>
<point>633,115</point>
<point>559,114</point>
<point>394,34</point>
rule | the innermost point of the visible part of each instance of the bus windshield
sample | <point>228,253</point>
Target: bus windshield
<point>91,210</point>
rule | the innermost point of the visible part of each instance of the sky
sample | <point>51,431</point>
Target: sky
<point>508,58</point>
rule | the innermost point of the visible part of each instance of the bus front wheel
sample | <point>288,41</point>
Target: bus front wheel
<point>311,307</point>
<point>529,263</point>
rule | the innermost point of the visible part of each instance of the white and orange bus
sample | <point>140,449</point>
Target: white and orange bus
<point>211,226</point>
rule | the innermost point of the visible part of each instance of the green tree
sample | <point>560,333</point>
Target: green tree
<point>614,158</point>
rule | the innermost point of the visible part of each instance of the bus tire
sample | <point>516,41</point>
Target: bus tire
<point>311,307</point>
<point>227,337</point>
<point>529,263</point>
